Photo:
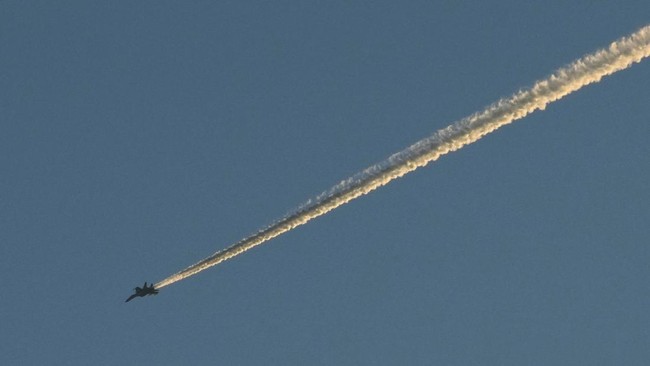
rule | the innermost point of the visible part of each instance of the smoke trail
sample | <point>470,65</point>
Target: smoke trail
<point>589,69</point>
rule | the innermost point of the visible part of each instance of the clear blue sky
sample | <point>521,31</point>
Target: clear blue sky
<point>138,137</point>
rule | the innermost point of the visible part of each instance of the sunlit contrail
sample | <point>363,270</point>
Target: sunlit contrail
<point>589,69</point>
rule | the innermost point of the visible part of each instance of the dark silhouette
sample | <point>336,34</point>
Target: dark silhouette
<point>142,292</point>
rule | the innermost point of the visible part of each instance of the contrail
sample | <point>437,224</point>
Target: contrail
<point>586,70</point>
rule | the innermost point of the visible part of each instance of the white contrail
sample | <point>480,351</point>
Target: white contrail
<point>589,69</point>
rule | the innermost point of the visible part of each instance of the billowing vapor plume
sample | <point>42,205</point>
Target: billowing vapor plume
<point>589,69</point>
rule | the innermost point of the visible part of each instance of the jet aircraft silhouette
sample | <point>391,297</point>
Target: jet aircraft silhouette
<point>142,292</point>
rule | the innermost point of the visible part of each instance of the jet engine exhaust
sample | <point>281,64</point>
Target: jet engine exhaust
<point>584,71</point>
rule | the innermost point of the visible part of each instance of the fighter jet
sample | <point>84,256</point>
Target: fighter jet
<point>142,292</point>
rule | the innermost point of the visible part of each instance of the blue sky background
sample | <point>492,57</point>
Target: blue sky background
<point>138,137</point>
